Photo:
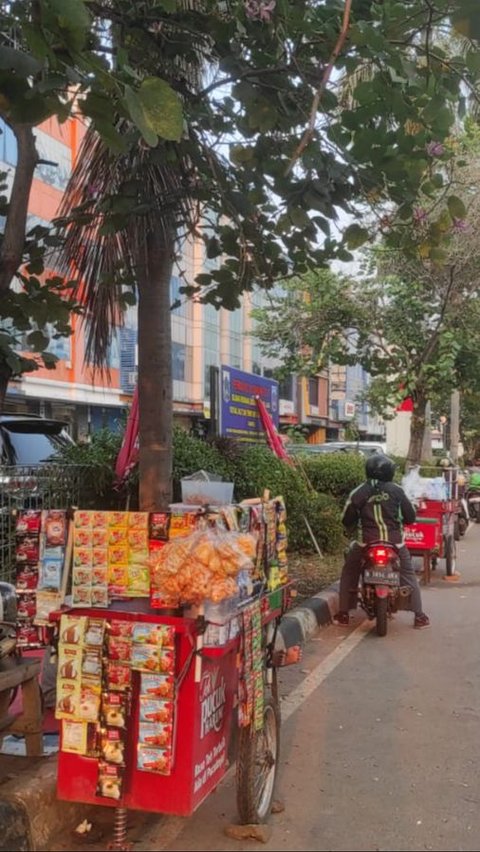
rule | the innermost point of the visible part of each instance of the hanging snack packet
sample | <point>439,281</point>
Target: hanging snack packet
<point>110,780</point>
<point>112,744</point>
<point>114,709</point>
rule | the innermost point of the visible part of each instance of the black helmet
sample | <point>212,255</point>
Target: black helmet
<point>380,467</point>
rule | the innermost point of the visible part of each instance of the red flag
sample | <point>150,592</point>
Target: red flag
<point>274,441</point>
<point>128,455</point>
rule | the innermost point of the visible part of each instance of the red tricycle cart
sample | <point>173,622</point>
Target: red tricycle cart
<point>182,729</point>
<point>165,625</point>
<point>432,536</point>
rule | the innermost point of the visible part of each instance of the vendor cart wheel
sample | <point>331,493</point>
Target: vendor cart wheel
<point>257,763</point>
<point>450,556</point>
<point>381,614</point>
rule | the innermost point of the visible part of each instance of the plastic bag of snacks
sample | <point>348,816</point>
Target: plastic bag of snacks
<point>202,566</point>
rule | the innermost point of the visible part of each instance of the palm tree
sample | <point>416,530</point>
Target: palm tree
<point>140,254</point>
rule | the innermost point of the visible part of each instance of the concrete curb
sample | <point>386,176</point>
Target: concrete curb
<point>303,621</point>
<point>31,814</point>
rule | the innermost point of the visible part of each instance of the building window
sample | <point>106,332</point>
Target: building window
<point>8,145</point>
<point>178,361</point>
<point>313,391</point>
<point>285,388</point>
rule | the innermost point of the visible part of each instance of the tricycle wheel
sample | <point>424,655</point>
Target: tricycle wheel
<point>450,556</point>
<point>381,613</point>
<point>257,763</point>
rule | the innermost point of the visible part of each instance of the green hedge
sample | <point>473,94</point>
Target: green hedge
<point>336,474</point>
<point>251,468</point>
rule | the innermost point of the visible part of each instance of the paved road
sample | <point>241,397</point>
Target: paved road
<point>381,750</point>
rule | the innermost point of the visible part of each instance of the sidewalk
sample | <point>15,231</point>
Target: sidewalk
<point>30,813</point>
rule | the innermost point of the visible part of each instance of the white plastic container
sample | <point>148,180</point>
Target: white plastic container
<point>204,493</point>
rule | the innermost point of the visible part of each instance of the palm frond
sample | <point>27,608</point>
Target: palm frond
<point>111,203</point>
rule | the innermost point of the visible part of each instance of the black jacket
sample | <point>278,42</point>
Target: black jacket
<point>380,510</point>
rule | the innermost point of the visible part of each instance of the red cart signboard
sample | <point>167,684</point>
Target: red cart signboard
<point>207,685</point>
<point>424,534</point>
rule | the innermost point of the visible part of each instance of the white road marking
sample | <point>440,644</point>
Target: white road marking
<point>302,692</point>
<point>168,829</point>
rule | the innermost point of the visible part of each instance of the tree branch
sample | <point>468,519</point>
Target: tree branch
<point>11,252</point>
<point>308,135</point>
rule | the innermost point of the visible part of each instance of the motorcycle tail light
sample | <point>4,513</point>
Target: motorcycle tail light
<point>380,555</point>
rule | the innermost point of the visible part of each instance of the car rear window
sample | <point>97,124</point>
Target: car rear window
<point>31,443</point>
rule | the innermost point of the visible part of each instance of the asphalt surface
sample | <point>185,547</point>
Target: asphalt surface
<point>381,747</point>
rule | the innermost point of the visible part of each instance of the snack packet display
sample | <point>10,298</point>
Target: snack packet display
<point>157,686</point>
<point>54,528</point>
<point>68,699</point>
<point>50,574</point>
<point>138,520</point>
<point>72,629</point>
<point>89,706</point>
<point>112,745</point>
<point>79,737</point>
<point>147,633</point>
<point>154,760</point>
<point>202,566</point>
<point>29,522</point>
<point>153,710</point>
<point>159,526</point>
<point>110,780</point>
<point>119,676</point>
<point>119,648</point>
<point>114,709</point>
<point>155,735</point>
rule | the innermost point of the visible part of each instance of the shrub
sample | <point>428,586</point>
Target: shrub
<point>336,474</point>
<point>252,469</point>
<point>256,469</point>
<point>191,454</point>
<point>98,457</point>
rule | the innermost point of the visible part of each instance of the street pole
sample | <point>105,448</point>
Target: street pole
<point>454,425</point>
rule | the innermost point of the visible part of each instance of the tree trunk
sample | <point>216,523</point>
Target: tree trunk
<point>155,371</point>
<point>417,428</point>
<point>11,253</point>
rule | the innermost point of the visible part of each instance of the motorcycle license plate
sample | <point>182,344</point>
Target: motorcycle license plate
<point>387,578</point>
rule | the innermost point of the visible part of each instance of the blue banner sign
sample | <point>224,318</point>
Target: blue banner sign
<point>239,418</point>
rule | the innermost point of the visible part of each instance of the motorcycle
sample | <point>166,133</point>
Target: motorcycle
<point>473,500</point>
<point>380,592</point>
<point>463,518</point>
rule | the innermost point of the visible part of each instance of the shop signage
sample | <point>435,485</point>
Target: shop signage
<point>239,417</point>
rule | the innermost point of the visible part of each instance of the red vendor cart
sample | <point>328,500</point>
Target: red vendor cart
<point>433,535</point>
<point>207,711</point>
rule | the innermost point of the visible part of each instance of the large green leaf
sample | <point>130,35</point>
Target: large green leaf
<point>38,341</point>
<point>355,236</point>
<point>22,63</point>
<point>137,114</point>
<point>162,108</point>
<point>71,14</point>
<point>456,207</point>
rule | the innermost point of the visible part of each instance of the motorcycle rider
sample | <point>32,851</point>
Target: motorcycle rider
<point>378,509</point>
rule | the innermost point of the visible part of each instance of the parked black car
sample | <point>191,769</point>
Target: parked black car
<point>31,440</point>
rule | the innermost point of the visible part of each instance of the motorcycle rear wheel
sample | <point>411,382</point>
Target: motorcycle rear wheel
<point>381,612</point>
